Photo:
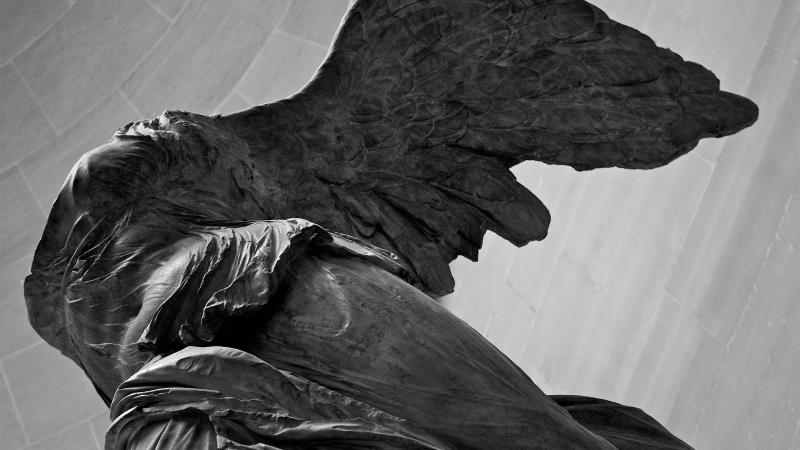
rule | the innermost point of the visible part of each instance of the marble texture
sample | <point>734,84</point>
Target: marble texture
<point>764,71</point>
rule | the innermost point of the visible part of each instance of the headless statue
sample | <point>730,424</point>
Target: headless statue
<point>264,280</point>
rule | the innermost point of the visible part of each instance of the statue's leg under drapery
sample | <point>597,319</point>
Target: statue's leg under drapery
<point>387,344</point>
<point>625,427</point>
<point>204,398</point>
<point>186,430</point>
<point>218,397</point>
<point>282,336</point>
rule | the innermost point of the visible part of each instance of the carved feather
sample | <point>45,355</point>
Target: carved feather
<point>405,136</point>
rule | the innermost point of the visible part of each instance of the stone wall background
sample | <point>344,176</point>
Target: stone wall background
<point>675,290</point>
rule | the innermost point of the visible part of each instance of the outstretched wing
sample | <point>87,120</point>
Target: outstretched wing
<point>406,134</point>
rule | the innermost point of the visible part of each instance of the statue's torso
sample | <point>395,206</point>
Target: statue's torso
<point>355,328</point>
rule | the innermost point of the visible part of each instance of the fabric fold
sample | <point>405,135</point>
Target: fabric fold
<point>232,272</point>
<point>229,398</point>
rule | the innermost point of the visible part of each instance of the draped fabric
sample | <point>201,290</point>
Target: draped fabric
<point>272,304</point>
<point>219,397</point>
<point>171,270</point>
<point>280,334</point>
<point>206,398</point>
<point>134,292</point>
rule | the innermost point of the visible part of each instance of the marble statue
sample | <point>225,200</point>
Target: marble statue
<point>265,280</point>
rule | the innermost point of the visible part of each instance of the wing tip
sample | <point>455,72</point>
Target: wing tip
<point>712,115</point>
<point>747,113</point>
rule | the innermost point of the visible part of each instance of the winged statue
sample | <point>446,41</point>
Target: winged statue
<point>266,279</point>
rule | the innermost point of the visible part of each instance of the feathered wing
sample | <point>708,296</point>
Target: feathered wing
<point>405,136</point>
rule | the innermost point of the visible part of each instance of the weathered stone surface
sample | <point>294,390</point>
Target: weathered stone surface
<point>175,239</point>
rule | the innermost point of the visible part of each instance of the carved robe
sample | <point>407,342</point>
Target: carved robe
<point>172,272</point>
